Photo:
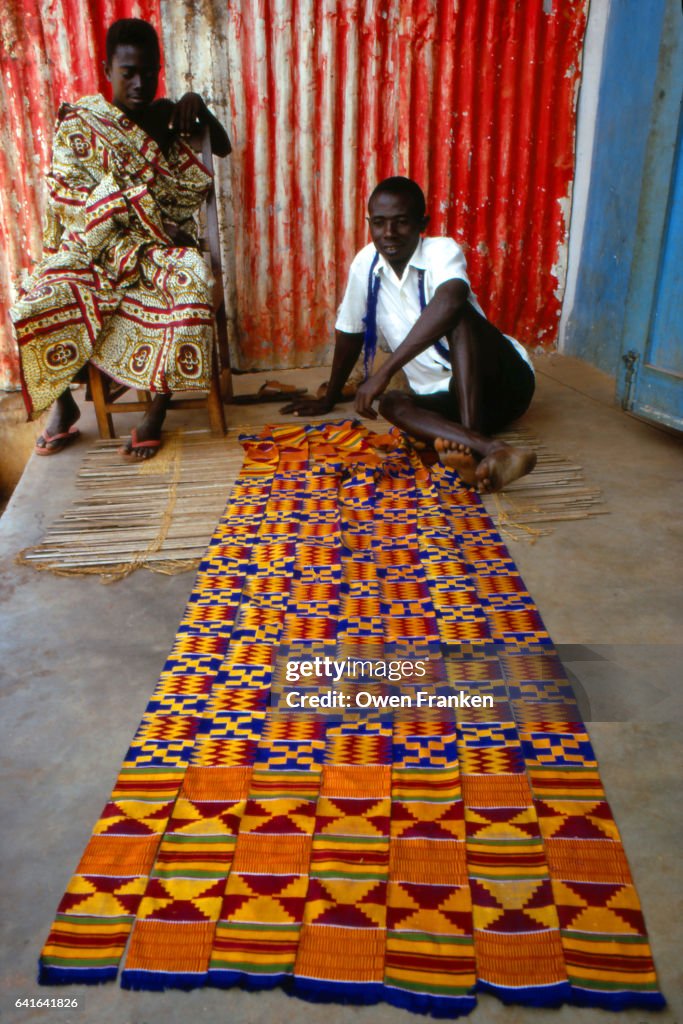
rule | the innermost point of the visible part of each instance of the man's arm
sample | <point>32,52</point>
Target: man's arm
<point>439,316</point>
<point>347,348</point>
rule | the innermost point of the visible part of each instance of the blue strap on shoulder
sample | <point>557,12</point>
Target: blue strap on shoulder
<point>421,289</point>
<point>370,318</point>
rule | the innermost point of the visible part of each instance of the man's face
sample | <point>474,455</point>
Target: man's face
<point>134,76</point>
<point>394,228</point>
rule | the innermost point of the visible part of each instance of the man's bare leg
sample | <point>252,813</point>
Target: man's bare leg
<point>476,356</point>
<point>484,462</point>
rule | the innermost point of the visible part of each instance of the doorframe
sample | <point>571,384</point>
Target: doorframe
<point>602,242</point>
<point>661,165</point>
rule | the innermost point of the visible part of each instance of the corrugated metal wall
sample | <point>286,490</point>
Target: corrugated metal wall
<point>476,100</point>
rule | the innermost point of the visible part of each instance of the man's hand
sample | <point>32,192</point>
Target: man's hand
<point>368,391</point>
<point>189,110</point>
<point>307,406</point>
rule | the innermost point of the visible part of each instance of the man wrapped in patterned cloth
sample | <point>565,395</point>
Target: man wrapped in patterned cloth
<point>121,283</point>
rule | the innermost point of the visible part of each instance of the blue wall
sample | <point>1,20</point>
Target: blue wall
<point>623,120</point>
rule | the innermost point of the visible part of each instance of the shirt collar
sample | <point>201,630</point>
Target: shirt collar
<point>417,260</point>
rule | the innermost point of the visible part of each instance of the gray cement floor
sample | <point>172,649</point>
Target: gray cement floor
<point>79,660</point>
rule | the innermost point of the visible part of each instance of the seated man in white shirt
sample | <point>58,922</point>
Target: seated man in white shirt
<point>467,379</point>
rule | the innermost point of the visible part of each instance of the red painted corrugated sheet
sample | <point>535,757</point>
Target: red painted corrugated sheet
<point>475,100</point>
<point>50,52</point>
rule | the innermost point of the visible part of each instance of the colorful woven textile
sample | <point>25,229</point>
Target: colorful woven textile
<point>415,854</point>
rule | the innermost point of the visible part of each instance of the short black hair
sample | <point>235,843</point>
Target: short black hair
<point>399,186</point>
<point>132,32</point>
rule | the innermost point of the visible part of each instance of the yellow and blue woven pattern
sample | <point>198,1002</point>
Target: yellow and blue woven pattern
<point>416,855</point>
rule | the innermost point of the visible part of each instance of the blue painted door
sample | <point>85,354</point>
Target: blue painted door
<point>650,382</point>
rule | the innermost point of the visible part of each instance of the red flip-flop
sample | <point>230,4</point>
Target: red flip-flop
<point>63,439</point>
<point>126,453</point>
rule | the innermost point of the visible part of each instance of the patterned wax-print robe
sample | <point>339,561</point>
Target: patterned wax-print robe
<point>113,288</point>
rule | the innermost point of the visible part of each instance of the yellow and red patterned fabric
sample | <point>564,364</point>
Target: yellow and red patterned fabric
<point>415,856</point>
<point>112,286</point>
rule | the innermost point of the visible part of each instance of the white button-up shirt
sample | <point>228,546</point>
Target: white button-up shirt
<point>398,304</point>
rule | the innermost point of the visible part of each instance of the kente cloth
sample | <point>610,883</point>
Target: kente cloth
<point>413,855</point>
<point>112,287</point>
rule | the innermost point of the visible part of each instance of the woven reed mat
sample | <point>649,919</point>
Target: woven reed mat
<point>158,514</point>
<point>556,491</point>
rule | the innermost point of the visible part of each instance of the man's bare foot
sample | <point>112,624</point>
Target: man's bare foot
<point>139,451</point>
<point>459,457</point>
<point>503,464</point>
<point>65,412</point>
<point>145,439</point>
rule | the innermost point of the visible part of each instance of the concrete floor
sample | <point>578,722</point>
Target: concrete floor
<point>79,660</point>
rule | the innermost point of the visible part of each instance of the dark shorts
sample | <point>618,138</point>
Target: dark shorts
<point>507,391</point>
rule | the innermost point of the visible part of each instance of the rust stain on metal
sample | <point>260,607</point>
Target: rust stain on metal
<point>322,99</point>
<point>477,102</point>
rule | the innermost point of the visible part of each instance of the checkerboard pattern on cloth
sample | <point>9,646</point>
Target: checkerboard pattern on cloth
<point>415,858</point>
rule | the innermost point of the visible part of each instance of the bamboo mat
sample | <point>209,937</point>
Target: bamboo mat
<point>556,491</point>
<point>160,514</point>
